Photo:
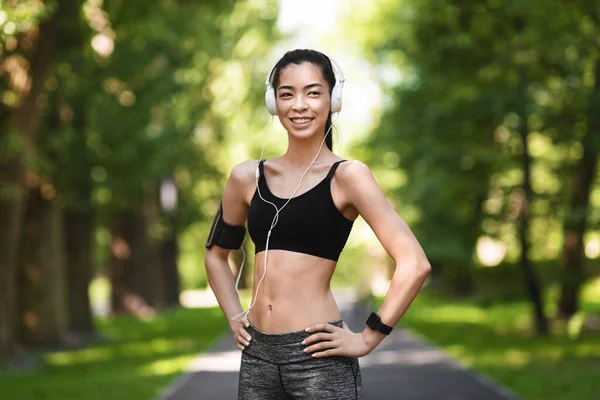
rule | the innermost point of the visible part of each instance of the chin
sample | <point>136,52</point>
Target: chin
<point>302,133</point>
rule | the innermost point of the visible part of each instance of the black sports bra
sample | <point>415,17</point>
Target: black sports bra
<point>309,224</point>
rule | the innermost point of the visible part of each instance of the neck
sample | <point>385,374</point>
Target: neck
<point>300,153</point>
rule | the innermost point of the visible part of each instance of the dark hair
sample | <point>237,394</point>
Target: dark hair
<point>320,61</point>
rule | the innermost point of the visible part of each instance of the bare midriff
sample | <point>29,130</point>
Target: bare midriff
<point>294,294</point>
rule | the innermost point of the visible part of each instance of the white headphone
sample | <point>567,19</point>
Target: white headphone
<point>336,92</point>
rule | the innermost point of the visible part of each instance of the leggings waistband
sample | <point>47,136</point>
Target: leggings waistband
<point>280,348</point>
<point>284,338</point>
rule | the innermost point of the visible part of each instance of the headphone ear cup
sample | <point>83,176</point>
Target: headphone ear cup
<point>336,98</point>
<point>270,100</point>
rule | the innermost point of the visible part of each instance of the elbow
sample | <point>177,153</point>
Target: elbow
<point>417,269</point>
<point>207,260</point>
<point>213,257</point>
<point>420,267</point>
<point>420,271</point>
<point>424,268</point>
<point>210,266</point>
<point>207,263</point>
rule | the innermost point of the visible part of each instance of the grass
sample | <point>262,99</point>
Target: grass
<point>497,341</point>
<point>137,361</point>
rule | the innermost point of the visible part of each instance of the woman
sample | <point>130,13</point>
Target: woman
<point>300,209</point>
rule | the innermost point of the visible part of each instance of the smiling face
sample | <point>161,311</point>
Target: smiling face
<point>303,100</point>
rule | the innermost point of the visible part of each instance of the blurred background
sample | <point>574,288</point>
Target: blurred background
<point>121,120</point>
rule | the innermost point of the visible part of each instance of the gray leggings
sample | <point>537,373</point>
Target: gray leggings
<point>274,367</point>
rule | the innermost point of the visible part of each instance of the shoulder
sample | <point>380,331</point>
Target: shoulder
<point>356,181</point>
<point>241,182</point>
<point>244,173</point>
<point>353,172</point>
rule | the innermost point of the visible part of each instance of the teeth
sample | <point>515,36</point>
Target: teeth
<point>300,120</point>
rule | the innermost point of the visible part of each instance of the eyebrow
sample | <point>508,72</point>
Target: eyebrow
<point>312,85</point>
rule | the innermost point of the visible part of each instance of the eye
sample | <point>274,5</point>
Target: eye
<point>285,94</point>
<point>314,93</point>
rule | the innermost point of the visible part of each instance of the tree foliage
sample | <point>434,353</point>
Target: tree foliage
<point>476,89</point>
<point>126,102</point>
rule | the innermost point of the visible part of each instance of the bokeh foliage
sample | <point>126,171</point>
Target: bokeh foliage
<point>462,78</point>
<point>118,98</point>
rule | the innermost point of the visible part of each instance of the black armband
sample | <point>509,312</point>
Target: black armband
<point>224,235</point>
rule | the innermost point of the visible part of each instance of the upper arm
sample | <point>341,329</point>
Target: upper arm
<point>235,205</point>
<point>234,201</point>
<point>364,194</point>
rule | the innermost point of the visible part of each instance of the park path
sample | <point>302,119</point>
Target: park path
<point>402,367</point>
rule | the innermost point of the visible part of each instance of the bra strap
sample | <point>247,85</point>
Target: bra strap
<point>333,168</point>
<point>262,180</point>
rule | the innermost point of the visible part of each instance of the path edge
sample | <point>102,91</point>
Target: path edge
<point>177,383</point>
<point>476,375</point>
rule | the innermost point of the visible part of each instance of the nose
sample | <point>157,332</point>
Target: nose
<point>300,103</point>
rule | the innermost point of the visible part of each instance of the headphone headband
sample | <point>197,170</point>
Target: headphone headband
<point>336,92</point>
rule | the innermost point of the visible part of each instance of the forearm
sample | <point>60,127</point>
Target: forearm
<point>222,282</point>
<point>405,285</point>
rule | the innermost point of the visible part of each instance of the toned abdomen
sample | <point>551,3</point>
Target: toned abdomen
<point>294,294</point>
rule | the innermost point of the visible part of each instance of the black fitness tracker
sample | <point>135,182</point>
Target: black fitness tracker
<point>374,322</point>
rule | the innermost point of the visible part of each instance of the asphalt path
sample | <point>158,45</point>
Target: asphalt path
<point>401,367</point>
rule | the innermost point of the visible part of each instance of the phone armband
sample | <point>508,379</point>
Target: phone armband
<point>225,235</point>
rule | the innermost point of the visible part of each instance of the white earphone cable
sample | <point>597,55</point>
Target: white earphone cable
<point>273,223</point>
<point>237,281</point>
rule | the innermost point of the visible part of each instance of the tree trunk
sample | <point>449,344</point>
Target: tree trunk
<point>41,274</point>
<point>79,266</point>
<point>152,265</point>
<point>23,121</point>
<point>465,284</point>
<point>150,260</point>
<point>127,276</point>
<point>169,264</point>
<point>532,282</point>
<point>120,261</point>
<point>10,231</point>
<point>79,224</point>
<point>576,217</point>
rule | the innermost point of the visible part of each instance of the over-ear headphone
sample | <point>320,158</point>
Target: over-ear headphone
<point>336,92</point>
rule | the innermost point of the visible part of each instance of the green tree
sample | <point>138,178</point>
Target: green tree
<point>483,85</point>
<point>120,106</point>
<point>28,46</point>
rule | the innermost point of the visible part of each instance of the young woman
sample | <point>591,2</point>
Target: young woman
<point>300,209</point>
